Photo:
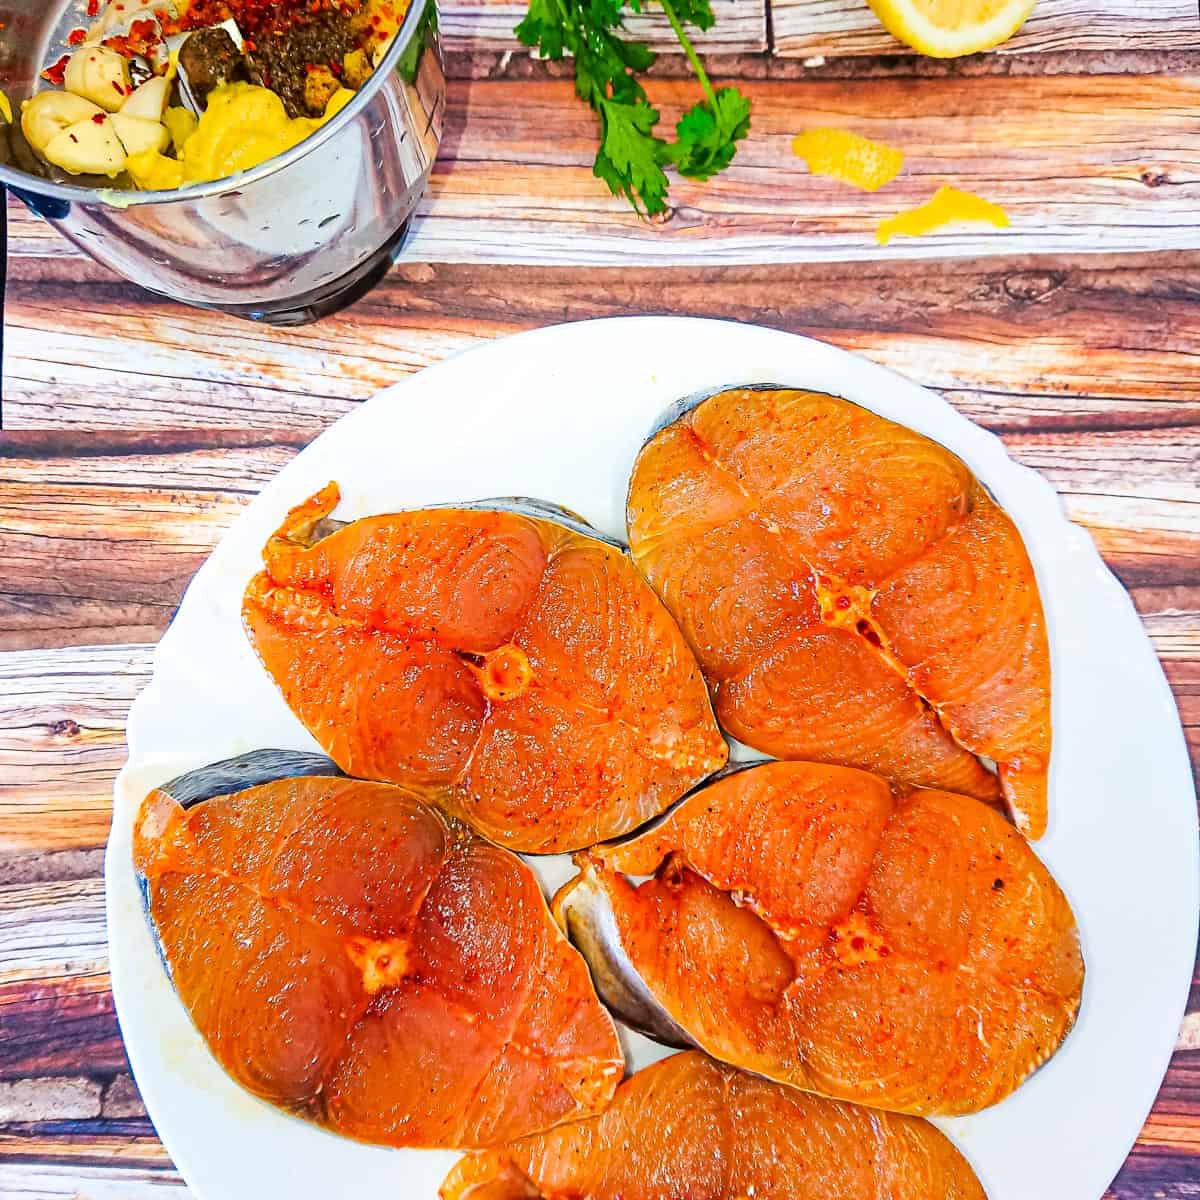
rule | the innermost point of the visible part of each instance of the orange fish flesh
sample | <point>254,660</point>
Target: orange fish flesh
<point>814,925</point>
<point>510,668</point>
<point>692,1129</point>
<point>352,955</point>
<point>852,592</point>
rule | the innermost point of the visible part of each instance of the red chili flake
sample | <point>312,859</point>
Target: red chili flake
<point>57,72</point>
<point>99,118</point>
<point>843,602</point>
<point>76,37</point>
<point>120,88</point>
<point>93,8</point>
<point>336,68</point>
<point>255,18</point>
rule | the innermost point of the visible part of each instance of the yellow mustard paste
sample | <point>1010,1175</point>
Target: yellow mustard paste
<point>242,125</point>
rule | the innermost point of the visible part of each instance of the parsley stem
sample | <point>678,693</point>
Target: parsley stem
<point>689,50</point>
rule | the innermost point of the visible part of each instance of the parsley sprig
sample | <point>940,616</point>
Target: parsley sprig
<point>631,157</point>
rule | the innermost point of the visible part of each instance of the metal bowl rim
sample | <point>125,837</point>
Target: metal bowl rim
<point>22,181</point>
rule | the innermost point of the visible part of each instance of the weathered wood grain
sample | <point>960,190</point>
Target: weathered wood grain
<point>468,26</point>
<point>1089,164</point>
<point>812,28</point>
<point>1088,342</point>
<point>62,739</point>
<point>51,926</point>
<point>133,1149</point>
<point>54,1025</point>
<point>62,533</point>
<point>74,1181</point>
<point>497,65</point>
<point>1080,164</point>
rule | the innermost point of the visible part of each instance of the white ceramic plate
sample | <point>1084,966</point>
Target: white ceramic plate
<point>560,414</point>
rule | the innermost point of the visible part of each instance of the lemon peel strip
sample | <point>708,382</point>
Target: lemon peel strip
<point>948,204</point>
<point>848,157</point>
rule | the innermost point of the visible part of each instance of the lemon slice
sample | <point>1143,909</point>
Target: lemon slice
<point>848,157</point>
<point>949,28</point>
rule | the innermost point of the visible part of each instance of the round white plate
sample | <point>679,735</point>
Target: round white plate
<point>560,414</point>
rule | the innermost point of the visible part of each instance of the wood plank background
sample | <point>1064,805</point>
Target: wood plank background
<point>135,430</point>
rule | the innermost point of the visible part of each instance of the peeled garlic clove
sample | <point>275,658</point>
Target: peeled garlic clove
<point>149,100</point>
<point>139,135</point>
<point>88,147</point>
<point>48,113</point>
<point>98,74</point>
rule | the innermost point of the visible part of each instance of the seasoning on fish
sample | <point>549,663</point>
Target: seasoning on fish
<point>352,955</point>
<point>852,592</point>
<point>508,667</point>
<point>810,924</point>
<point>691,1128</point>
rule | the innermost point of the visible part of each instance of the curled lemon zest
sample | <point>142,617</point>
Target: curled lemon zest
<point>948,204</point>
<point>848,157</point>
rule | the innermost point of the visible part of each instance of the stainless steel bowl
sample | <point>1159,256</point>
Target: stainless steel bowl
<point>295,238</point>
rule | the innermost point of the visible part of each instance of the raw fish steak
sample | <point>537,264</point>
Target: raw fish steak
<point>508,667</point>
<point>691,1129</point>
<point>852,592</point>
<point>352,955</point>
<point>904,950</point>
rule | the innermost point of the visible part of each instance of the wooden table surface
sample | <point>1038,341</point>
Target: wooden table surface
<point>135,430</point>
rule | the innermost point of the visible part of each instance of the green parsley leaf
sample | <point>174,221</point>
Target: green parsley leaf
<point>708,133</point>
<point>631,156</point>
